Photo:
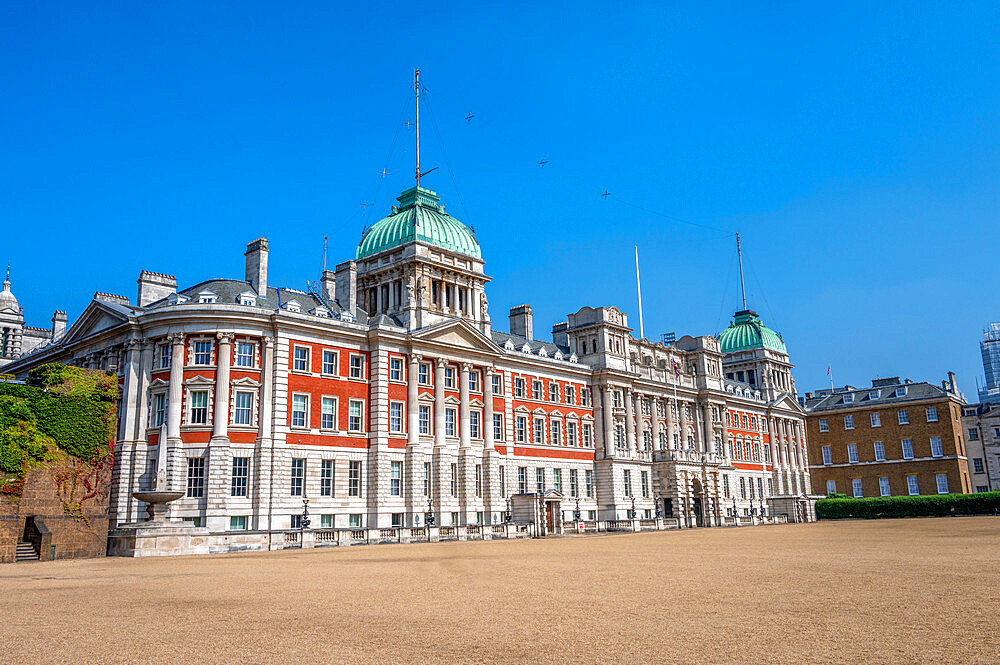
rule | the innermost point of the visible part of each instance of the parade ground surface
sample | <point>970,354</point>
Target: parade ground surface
<point>890,591</point>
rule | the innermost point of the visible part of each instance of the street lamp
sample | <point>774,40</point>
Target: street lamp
<point>509,515</point>
<point>659,513</point>
<point>576,513</point>
<point>304,524</point>
<point>633,508</point>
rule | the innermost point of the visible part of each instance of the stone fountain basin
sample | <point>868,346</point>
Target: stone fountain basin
<point>157,497</point>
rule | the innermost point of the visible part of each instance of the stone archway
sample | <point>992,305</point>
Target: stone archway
<point>698,502</point>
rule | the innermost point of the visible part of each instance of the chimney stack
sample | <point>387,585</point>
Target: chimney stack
<point>58,325</point>
<point>520,321</point>
<point>345,285</point>
<point>954,384</point>
<point>328,282</point>
<point>560,334</point>
<point>111,297</point>
<point>154,286</point>
<point>257,266</point>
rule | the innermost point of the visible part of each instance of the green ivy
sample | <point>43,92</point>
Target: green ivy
<point>984,503</point>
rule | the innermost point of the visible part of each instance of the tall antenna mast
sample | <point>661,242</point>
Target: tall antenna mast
<point>638,288</point>
<point>324,253</point>
<point>416,93</point>
<point>739,253</point>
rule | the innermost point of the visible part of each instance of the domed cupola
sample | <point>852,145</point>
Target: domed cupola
<point>419,217</point>
<point>746,331</point>
<point>7,300</point>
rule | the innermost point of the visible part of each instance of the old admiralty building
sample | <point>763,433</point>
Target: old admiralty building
<point>386,393</point>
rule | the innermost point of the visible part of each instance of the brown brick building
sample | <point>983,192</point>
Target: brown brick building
<point>895,438</point>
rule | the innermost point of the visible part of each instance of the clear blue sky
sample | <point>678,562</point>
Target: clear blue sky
<point>854,146</point>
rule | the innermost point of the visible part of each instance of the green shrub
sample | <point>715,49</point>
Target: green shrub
<point>984,503</point>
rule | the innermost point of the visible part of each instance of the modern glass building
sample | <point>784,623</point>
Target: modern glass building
<point>990,346</point>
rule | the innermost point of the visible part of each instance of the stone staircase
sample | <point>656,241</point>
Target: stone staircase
<point>25,552</point>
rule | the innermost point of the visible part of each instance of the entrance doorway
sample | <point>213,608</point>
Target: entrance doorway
<point>698,519</point>
<point>668,507</point>
<point>550,508</point>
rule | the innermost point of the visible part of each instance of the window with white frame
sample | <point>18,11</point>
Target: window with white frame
<point>396,478</point>
<point>198,412</point>
<point>329,362</point>
<point>571,428</point>
<point>570,395</point>
<point>520,428</point>
<point>627,476</point>
<point>424,413</point>
<point>300,410</point>
<point>942,482</point>
<point>518,387</point>
<point>474,424</point>
<point>937,449</point>
<point>831,487</point>
<point>856,486</point>
<point>450,416</point>
<point>328,413</point>
<point>498,427</point>
<point>326,478</point>
<point>824,425</point>
<point>557,480</point>
<point>907,448</point>
<point>848,422</point>
<point>298,476</point>
<point>196,477</point>
<point>395,417</point>
<point>395,369</point>
<point>536,390</point>
<point>522,479</point>
<point>237,522</point>
<point>474,385</point>
<point>876,419</point>
<point>503,481</point>
<point>587,435</point>
<point>449,377</point>
<point>243,407</point>
<point>827,455</point>
<point>903,417</point>
<point>585,397</point>
<point>879,451</point>
<point>354,479</point>
<point>848,398</point>
<point>977,465</point>
<point>555,429</point>
<point>202,352</point>
<point>589,477</point>
<point>453,483</point>
<point>644,481</point>
<point>852,452</point>
<point>479,481</point>
<point>245,354</point>
<point>901,391</point>
<point>164,352</point>
<point>539,430</point>
<point>424,374</point>
<point>427,478</point>
<point>356,415</point>
<point>240,480</point>
<point>883,486</point>
<point>912,487</point>
<point>357,367</point>
<point>553,392</point>
<point>539,480</point>
<point>931,413</point>
<point>496,382</point>
<point>159,413</point>
<point>300,359</point>
<point>354,520</point>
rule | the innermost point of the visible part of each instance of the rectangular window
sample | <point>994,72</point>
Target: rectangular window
<point>354,478</point>
<point>743,488</point>
<point>326,521</point>
<point>848,422</point>
<point>553,392</point>
<point>503,482</point>
<point>479,480</point>
<point>522,479</point>
<point>326,478</point>
<point>497,427</point>
<point>298,476</point>
<point>824,425</point>
<point>911,486</point>
<point>454,480</point>
<point>295,521</point>
<point>521,426</point>
<point>536,390</point>
<point>942,482</point>
<point>936,449</point>
<point>300,361</point>
<point>555,427</point>
<point>831,487</point>
<point>903,417</point>
<point>300,410</point>
<point>977,465</point>
<point>449,422</point>
<point>159,409</point>
<point>356,415</point>
<point>879,451</point>
<point>589,478</point>
<point>518,387</point>
<point>238,523</point>
<point>328,417</point>
<point>395,369</point>
<point>425,419</point>
<point>876,419</point>
<point>644,478</point>
<point>574,487</point>
<point>423,374</point>
<point>330,362</point>
<point>474,381</point>
<point>474,417</point>
<point>883,486</point>
<point>725,486</point>
<point>354,520</point>
<point>932,415</point>
<point>848,398</point>
<point>571,434</point>
<point>588,436</point>
<point>973,434</point>
<point>539,431</point>
<point>164,356</point>
<point>901,391</point>
<point>244,354</point>
<point>241,476</point>
<point>449,377</point>
<point>497,384</point>
<point>357,367</point>
<point>242,408</point>
<point>907,448</point>
<point>395,479</point>
<point>539,480</point>
<point>199,407</point>
<point>427,478</point>
<point>397,520</point>
<point>585,397</point>
<point>750,483</point>
<point>570,395</point>
<point>852,452</point>
<point>395,416</point>
<point>203,353</point>
<point>856,486</point>
<point>827,455</point>
<point>628,482</point>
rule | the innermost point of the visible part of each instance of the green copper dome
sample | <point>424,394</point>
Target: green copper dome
<point>418,217</point>
<point>746,332</point>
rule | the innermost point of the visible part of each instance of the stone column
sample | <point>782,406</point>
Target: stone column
<point>709,428</point>
<point>124,472</point>
<point>264,448</point>
<point>629,421</point>
<point>724,413</point>
<point>463,410</point>
<point>487,424</point>
<point>608,416</point>
<point>654,416</point>
<point>682,407</point>
<point>220,419</point>
<point>671,429</point>
<point>412,401</point>
<point>175,396</point>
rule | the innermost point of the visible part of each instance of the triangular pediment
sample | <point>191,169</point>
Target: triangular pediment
<point>787,401</point>
<point>456,334</point>
<point>94,319</point>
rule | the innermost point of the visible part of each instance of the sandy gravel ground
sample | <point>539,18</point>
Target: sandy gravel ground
<point>893,591</point>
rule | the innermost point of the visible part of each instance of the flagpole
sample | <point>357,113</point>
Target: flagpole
<point>638,288</point>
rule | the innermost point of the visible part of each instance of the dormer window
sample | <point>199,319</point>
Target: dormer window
<point>509,345</point>
<point>874,394</point>
<point>207,298</point>
<point>848,398</point>
<point>322,311</point>
<point>247,299</point>
<point>901,391</point>
<point>176,299</point>
<point>293,306</point>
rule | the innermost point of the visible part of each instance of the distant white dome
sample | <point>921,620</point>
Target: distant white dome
<point>7,299</point>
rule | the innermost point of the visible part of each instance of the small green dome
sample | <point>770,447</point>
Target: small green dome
<point>746,332</point>
<point>419,217</point>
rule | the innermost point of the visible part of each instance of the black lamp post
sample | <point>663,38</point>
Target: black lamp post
<point>509,515</point>
<point>576,513</point>
<point>304,524</point>
<point>633,508</point>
